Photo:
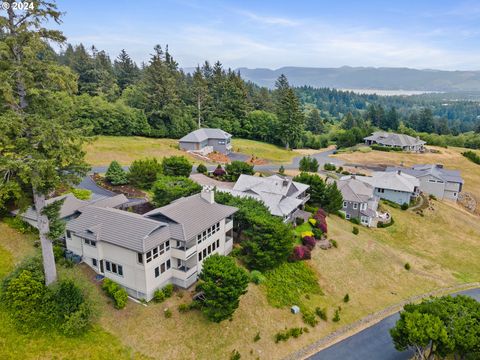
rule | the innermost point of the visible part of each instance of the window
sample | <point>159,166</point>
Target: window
<point>155,252</point>
<point>140,258</point>
<point>90,242</point>
<point>167,245</point>
<point>94,262</point>
<point>199,256</point>
<point>344,204</point>
<point>107,265</point>
<point>381,190</point>
<point>218,243</point>
<point>431,180</point>
<point>114,268</point>
<point>454,194</point>
<point>363,206</point>
<point>204,252</point>
<point>149,256</point>
<point>213,246</point>
<point>162,268</point>
<point>120,270</point>
<point>69,234</point>
<point>157,272</point>
<point>355,206</point>
<point>221,142</point>
<point>168,264</point>
<point>199,238</point>
<point>209,249</point>
<point>347,216</point>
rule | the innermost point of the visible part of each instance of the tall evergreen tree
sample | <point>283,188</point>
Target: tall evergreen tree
<point>39,150</point>
<point>314,122</point>
<point>200,90</point>
<point>126,71</point>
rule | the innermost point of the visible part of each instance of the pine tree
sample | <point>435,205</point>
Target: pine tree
<point>126,71</point>
<point>200,90</point>
<point>115,174</point>
<point>314,122</point>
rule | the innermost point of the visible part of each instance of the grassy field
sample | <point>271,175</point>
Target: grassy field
<point>369,267</point>
<point>103,149</point>
<point>451,158</point>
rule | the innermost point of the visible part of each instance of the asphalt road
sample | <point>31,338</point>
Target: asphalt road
<point>373,343</point>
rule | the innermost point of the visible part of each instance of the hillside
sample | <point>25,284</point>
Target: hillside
<point>346,77</point>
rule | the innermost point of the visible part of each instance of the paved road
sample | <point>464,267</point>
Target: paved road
<point>373,343</point>
<point>88,184</point>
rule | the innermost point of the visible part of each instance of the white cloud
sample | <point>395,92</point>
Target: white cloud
<point>268,20</point>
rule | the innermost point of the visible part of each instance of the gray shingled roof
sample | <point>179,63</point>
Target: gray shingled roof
<point>119,227</point>
<point>204,134</point>
<point>355,190</point>
<point>69,207</point>
<point>392,181</point>
<point>393,139</point>
<point>191,215</point>
<point>112,201</point>
<point>431,169</point>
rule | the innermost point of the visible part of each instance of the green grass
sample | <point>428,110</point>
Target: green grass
<point>272,153</point>
<point>289,283</point>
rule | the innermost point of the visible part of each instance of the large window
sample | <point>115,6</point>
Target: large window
<point>90,242</point>
<point>94,262</point>
<point>207,233</point>
<point>162,268</point>
<point>156,252</point>
<point>114,268</point>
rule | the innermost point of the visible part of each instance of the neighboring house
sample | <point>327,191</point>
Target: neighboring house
<point>435,180</point>
<point>359,201</point>
<point>71,206</point>
<point>143,253</point>
<point>395,186</point>
<point>206,141</point>
<point>281,195</point>
<point>405,142</point>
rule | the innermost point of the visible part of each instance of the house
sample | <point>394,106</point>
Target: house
<point>143,253</point>
<point>395,186</point>
<point>205,141</point>
<point>280,194</point>
<point>405,142</point>
<point>359,201</point>
<point>435,180</point>
<point>71,206</point>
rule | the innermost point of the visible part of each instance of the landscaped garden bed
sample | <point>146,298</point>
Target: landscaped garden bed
<point>128,190</point>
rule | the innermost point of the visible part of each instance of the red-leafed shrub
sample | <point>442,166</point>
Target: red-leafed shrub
<point>219,171</point>
<point>321,220</point>
<point>309,242</point>
<point>323,227</point>
<point>301,253</point>
<point>321,212</point>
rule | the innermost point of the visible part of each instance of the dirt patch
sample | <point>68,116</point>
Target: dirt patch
<point>217,157</point>
<point>257,161</point>
<point>469,202</point>
<point>127,190</point>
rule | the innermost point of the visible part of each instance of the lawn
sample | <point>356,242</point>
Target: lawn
<point>272,153</point>
<point>451,158</point>
<point>369,267</point>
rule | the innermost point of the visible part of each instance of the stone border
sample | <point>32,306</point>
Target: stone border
<point>370,320</point>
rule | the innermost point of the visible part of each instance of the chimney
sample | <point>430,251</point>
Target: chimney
<point>439,166</point>
<point>208,194</point>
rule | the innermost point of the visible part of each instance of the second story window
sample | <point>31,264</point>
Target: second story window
<point>90,242</point>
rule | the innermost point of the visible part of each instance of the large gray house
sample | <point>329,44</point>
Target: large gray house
<point>205,141</point>
<point>164,246</point>
<point>435,180</point>
<point>405,142</point>
<point>359,201</point>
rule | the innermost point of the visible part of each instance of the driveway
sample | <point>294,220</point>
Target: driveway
<point>88,184</point>
<point>207,181</point>
<point>373,343</point>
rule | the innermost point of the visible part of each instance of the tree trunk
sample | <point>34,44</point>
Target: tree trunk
<point>47,246</point>
<point>199,113</point>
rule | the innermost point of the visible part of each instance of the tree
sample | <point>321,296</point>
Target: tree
<point>126,71</point>
<point>115,174</point>
<point>333,198</point>
<point>290,118</point>
<point>39,149</point>
<point>222,283</point>
<point>169,188</point>
<point>349,122</point>
<point>202,169</point>
<point>144,172</point>
<point>326,196</point>
<point>314,122</point>
<point>200,90</point>
<point>176,166</point>
<point>260,125</point>
<point>309,164</point>
<point>237,168</point>
<point>392,119</point>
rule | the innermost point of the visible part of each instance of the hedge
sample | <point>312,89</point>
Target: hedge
<point>118,294</point>
<point>385,148</point>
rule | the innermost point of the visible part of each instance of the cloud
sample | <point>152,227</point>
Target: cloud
<point>269,20</point>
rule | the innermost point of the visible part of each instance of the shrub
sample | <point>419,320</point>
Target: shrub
<point>346,298</point>
<point>159,296</point>
<point>309,242</point>
<point>256,277</point>
<point>167,313</point>
<point>407,266</point>
<point>281,170</point>
<point>285,335</point>
<point>235,355</point>
<point>404,206</point>
<point>355,230</point>
<point>82,194</point>
<point>472,156</point>
<point>329,167</point>
<point>312,221</point>
<point>77,322</point>
<point>355,221</point>
<point>301,253</point>
<point>256,337</point>
<point>169,188</point>
<point>202,169</point>
<point>317,233</point>
<point>168,290</point>
<point>321,313</point>
<point>309,318</point>
<point>219,172</point>
<point>432,197</point>
<point>118,294</point>
<point>58,252</point>
<point>336,316</point>
<point>308,164</point>
<point>237,168</point>
<point>183,308</point>
<point>115,174</point>
<point>144,172</point>
<point>306,233</point>
<point>18,224</point>
<point>176,166</point>
<point>384,148</point>
<point>384,225</point>
<point>299,221</point>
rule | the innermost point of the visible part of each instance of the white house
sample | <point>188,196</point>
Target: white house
<point>145,252</point>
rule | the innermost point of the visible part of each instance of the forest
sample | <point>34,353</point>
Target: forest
<point>159,99</point>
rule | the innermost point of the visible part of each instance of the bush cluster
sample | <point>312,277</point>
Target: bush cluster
<point>288,333</point>
<point>32,305</point>
<point>385,148</point>
<point>301,252</point>
<point>118,294</point>
<point>404,206</point>
<point>309,242</point>
<point>385,225</point>
<point>329,167</point>
<point>320,218</point>
<point>202,169</point>
<point>309,318</point>
<point>472,156</point>
<point>161,294</point>
<point>256,277</point>
<point>308,164</point>
<point>219,171</point>
<point>321,313</point>
<point>115,174</point>
<point>355,230</point>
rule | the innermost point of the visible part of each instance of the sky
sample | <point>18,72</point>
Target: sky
<point>423,34</point>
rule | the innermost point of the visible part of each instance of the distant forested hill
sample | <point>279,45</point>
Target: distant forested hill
<point>368,78</point>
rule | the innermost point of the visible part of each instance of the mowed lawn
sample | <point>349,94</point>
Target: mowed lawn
<point>369,267</point>
<point>451,158</point>
<point>101,150</point>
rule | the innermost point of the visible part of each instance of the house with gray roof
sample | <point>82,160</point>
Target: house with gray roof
<point>205,141</point>
<point>359,200</point>
<point>280,194</point>
<point>71,206</point>
<point>435,179</point>
<point>405,142</point>
<point>395,186</point>
<point>143,253</point>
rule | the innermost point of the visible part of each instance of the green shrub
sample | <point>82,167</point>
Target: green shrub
<point>407,266</point>
<point>385,225</point>
<point>176,166</point>
<point>281,170</point>
<point>355,221</point>
<point>472,156</point>
<point>288,333</point>
<point>77,322</point>
<point>346,298</point>
<point>334,243</point>
<point>256,337</point>
<point>299,221</point>
<point>235,355</point>
<point>82,194</point>
<point>237,168</point>
<point>168,290</point>
<point>115,174</point>
<point>158,296</point>
<point>144,172</point>
<point>309,318</point>
<point>256,277</point>
<point>321,313</point>
<point>355,230</point>
<point>309,164</point>
<point>58,252</point>
<point>329,167</point>
<point>404,206</point>
<point>317,233</point>
<point>202,169</point>
<point>336,316</point>
<point>384,148</point>
<point>432,197</point>
<point>167,313</point>
<point>18,224</point>
<point>169,188</point>
<point>183,308</point>
<point>118,294</point>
